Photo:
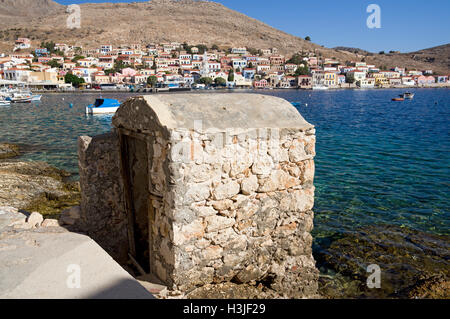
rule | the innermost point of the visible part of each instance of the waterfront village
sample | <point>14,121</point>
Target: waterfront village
<point>59,66</point>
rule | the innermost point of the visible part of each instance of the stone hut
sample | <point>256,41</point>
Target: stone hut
<point>205,188</point>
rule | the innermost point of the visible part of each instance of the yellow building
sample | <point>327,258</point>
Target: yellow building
<point>381,81</point>
<point>46,77</point>
<point>330,79</point>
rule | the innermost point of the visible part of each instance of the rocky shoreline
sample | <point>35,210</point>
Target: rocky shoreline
<point>35,186</point>
<point>8,150</point>
<point>414,264</point>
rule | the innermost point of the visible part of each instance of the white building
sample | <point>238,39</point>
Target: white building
<point>242,51</point>
<point>16,74</point>
<point>106,48</point>
<point>239,63</point>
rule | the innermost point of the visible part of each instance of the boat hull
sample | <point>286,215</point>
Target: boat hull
<point>101,110</point>
<point>20,100</point>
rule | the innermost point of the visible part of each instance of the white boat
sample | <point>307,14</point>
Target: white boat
<point>103,106</point>
<point>320,87</point>
<point>4,102</point>
<point>19,97</point>
<point>407,95</point>
<point>36,97</point>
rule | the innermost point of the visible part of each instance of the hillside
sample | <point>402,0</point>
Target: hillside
<point>438,58</point>
<point>159,21</point>
<point>10,9</point>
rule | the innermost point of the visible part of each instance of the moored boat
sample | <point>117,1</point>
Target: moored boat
<point>103,106</point>
<point>4,102</point>
<point>20,98</point>
<point>407,95</point>
<point>36,97</point>
<point>320,87</point>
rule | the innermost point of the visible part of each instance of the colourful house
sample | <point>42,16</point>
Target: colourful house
<point>441,79</point>
<point>330,78</point>
<point>261,84</point>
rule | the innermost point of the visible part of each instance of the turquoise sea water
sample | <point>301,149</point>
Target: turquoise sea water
<point>378,162</point>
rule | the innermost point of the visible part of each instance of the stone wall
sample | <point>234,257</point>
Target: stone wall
<point>239,213</point>
<point>103,215</point>
<point>226,204</point>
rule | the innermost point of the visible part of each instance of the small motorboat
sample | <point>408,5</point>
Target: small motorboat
<point>36,97</point>
<point>320,87</point>
<point>20,98</point>
<point>4,102</point>
<point>103,106</point>
<point>398,99</point>
<point>407,95</point>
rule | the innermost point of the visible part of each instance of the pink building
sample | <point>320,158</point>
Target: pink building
<point>261,84</point>
<point>129,72</point>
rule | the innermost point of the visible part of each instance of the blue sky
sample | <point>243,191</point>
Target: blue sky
<point>406,25</point>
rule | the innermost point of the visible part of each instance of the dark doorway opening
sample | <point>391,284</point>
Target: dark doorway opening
<point>135,166</point>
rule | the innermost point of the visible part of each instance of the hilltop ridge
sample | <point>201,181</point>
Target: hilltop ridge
<point>181,21</point>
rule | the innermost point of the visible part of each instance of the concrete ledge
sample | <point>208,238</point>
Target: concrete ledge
<point>36,264</point>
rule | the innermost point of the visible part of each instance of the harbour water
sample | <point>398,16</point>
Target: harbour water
<point>379,164</point>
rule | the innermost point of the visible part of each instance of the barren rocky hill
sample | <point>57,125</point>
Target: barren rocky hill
<point>156,21</point>
<point>9,9</point>
<point>437,58</point>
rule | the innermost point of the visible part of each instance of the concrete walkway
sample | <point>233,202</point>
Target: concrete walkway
<point>53,263</point>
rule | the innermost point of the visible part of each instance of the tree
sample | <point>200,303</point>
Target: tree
<point>119,66</point>
<point>54,64</point>
<point>296,59</point>
<point>308,38</point>
<point>381,52</point>
<point>152,80</point>
<point>109,71</point>
<point>59,53</point>
<point>220,81</point>
<point>350,78</point>
<point>254,51</point>
<point>202,48</point>
<point>231,76</point>
<point>73,79</point>
<point>215,47</point>
<point>205,80</point>
<point>302,69</point>
<point>77,57</point>
<point>50,46</point>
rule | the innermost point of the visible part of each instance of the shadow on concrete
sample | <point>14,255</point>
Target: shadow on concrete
<point>123,289</point>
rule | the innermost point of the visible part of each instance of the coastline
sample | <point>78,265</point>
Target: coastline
<point>230,90</point>
<point>338,287</point>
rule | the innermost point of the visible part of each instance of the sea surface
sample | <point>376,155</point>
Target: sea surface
<point>378,162</point>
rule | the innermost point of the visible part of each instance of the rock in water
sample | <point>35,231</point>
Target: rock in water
<point>405,257</point>
<point>36,186</point>
<point>8,150</point>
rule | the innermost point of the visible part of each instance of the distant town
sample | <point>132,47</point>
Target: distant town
<point>59,66</point>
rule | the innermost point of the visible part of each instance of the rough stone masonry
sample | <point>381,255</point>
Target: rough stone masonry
<point>204,189</point>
